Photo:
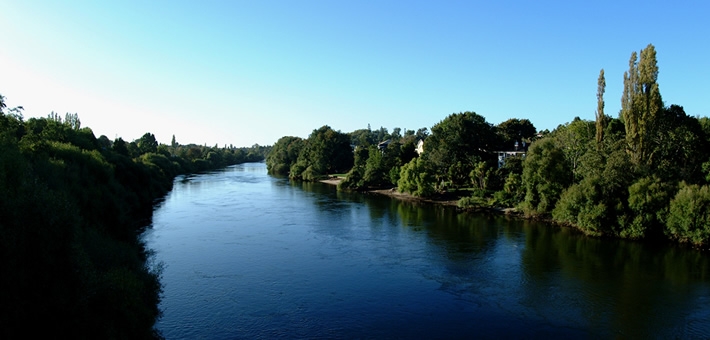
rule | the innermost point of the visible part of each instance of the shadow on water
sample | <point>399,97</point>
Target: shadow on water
<point>640,290</point>
<point>562,281</point>
<point>279,258</point>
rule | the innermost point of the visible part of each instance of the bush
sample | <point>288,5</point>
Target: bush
<point>310,174</point>
<point>353,180</point>
<point>416,179</point>
<point>546,174</point>
<point>581,205</point>
<point>689,215</point>
<point>648,201</point>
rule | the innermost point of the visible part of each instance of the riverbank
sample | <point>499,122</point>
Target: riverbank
<point>333,180</point>
<point>443,199</point>
<point>447,199</point>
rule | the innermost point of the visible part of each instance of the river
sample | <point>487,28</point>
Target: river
<point>250,256</point>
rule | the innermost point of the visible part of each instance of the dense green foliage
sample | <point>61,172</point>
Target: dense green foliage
<point>416,178</point>
<point>545,175</point>
<point>284,154</point>
<point>71,209</point>
<point>326,151</point>
<point>624,181</point>
<point>641,105</point>
<point>642,175</point>
<point>601,118</point>
<point>689,215</point>
<point>515,130</point>
<point>457,144</point>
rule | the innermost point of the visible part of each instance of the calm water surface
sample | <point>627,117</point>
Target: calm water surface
<point>249,256</point>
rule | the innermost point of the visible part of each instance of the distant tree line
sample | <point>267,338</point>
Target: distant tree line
<point>457,154</point>
<point>71,209</point>
<point>644,174</point>
<point>182,159</point>
<point>326,152</point>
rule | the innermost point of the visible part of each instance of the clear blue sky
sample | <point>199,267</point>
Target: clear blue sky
<point>245,72</point>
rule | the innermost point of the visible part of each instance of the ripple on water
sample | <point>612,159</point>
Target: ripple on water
<point>254,257</point>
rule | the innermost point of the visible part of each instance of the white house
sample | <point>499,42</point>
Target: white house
<point>420,147</point>
<point>516,152</point>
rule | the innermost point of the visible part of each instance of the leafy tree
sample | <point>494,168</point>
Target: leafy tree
<point>76,206</point>
<point>705,126</point>
<point>38,130</point>
<point>458,174</point>
<point>363,137</point>
<point>506,181</point>
<point>649,198</point>
<point>191,153</point>
<point>120,147</point>
<point>133,149</point>
<point>574,139</point>
<point>376,170</point>
<point>689,215</point>
<point>545,175</point>
<point>73,222</point>
<point>325,152</point>
<point>583,206</point>
<point>394,174</point>
<point>515,130</point>
<point>147,143</point>
<point>407,151</point>
<point>354,178</point>
<point>600,117</point>
<point>284,154</point>
<point>164,150</point>
<point>480,175</point>
<point>641,105</point>
<point>422,133</point>
<point>72,120</point>
<point>680,146</point>
<point>598,203</point>
<point>396,134</point>
<point>461,138</point>
<point>416,179</point>
<point>616,172</point>
<point>104,142</point>
<point>382,134</point>
<point>215,159</point>
<point>378,167</point>
<point>513,191</point>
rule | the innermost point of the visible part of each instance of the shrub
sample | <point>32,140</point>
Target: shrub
<point>581,206</point>
<point>416,179</point>
<point>689,215</point>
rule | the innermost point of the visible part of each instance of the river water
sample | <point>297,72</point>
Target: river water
<point>250,256</point>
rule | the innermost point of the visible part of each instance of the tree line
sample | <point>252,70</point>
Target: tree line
<point>457,152</point>
<point>71,209</point>
<point>642,175</point>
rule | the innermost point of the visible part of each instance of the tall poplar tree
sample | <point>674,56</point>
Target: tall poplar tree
<point>601,118</point>
<point>641,105</point>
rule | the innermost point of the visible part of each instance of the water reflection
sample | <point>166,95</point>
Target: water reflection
<point>632,286</point>
<point>592,287</point>
<point>254,256</point>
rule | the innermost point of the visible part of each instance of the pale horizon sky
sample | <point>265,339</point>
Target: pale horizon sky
<point>246,72</point>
